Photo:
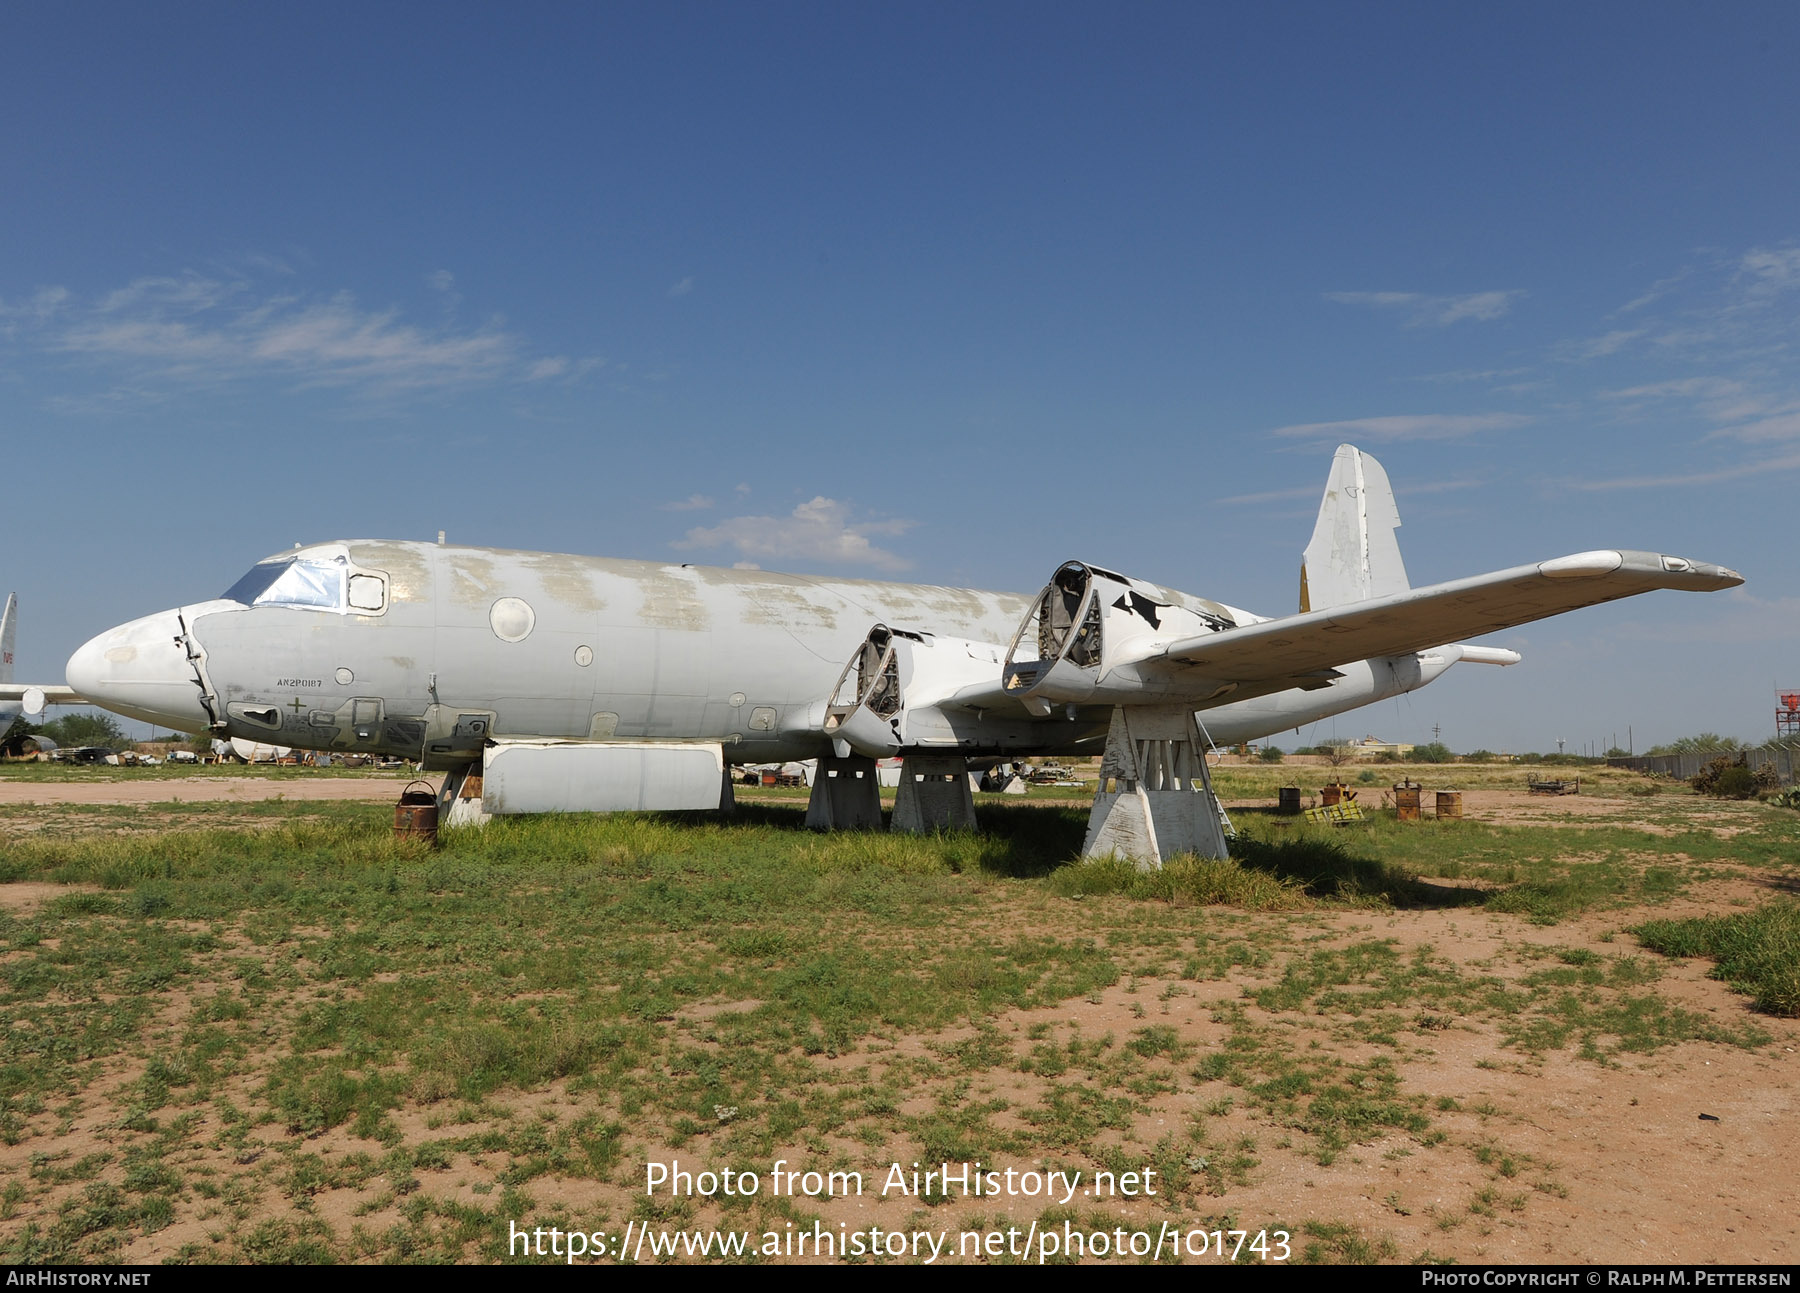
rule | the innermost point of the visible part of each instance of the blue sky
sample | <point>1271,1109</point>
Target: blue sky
<point>944,292</point>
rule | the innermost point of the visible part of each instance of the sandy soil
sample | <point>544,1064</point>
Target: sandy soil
<point>190,790</point>
<point>1684,1155</point>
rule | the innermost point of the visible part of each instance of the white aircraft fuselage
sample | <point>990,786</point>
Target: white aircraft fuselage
<point>453,645</point>
<point>461,643</point>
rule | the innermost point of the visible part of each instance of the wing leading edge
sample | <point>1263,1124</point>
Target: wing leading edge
<point>1297,646</point>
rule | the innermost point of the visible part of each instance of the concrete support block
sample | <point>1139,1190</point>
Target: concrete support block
<point>845,796</point>
<point>934,795</point>
<point>1155,798</point>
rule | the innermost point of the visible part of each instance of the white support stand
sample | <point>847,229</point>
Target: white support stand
<point>845,796</point>
<point>459,799</point>
<point>1155,798</point>
<point>934,794</point>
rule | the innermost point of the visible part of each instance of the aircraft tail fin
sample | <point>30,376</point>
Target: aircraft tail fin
<point>9,631</point>
<point>1353,555</point>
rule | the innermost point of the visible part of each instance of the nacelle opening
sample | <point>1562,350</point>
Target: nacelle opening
<point>865,712</point>
<point>1089,626</point>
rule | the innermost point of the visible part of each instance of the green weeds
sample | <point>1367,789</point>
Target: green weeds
<point>256,1018</point>
<point>1758,952</point>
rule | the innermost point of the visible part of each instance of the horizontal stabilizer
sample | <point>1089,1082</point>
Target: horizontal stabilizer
<point>33,699</point>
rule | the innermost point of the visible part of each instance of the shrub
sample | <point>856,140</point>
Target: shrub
<point>1729,778</point>
<point>1736,782</point>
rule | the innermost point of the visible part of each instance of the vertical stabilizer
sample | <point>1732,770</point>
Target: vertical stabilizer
<point>1353,555</point>
<point>9,630</point>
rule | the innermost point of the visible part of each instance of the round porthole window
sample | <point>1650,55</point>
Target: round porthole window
<point>512,619</point>
<point>584,656</point>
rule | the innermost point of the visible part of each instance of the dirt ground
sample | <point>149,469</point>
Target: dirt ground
<point>1684,1155</point>
<point>194,790</point>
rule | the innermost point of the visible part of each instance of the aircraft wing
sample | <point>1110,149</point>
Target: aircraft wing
<point>33,699</point>
<point>1299,646</point>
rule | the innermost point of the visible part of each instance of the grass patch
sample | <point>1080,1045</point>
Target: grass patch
<point>1758,952</point>
<point>256,1016</point>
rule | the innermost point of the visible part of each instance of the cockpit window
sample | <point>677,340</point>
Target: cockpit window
<point>315,584</point>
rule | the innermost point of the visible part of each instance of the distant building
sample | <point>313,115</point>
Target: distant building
<point>1370,746</point>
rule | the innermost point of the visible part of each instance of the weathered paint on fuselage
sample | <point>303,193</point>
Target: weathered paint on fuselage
<point>744,657</point>
<point>465,644</point>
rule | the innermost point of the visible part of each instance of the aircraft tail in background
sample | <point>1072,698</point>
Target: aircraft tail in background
<point>9,631</point>
<point>26,700</point>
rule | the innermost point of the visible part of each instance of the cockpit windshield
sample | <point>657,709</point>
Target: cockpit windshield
<point>318,585</point>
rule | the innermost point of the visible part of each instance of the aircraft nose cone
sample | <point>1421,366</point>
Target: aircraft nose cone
<point>141,670</point>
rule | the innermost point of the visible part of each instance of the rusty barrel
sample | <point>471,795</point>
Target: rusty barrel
<point>1406,801</point>
<point>416,815</point>
<point>1287,800</point>
<point>1449,803</point>
<point>1329,795</point>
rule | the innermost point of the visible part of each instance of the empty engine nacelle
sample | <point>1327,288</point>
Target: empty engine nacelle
<point>1089,627</point>
<point>895,677</point>
<point>866,712</point>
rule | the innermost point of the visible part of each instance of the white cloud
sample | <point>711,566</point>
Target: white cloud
<point>443,282</point>
<point>1784,425</point>
<point>682,288</point>
<point>1274,495</point>
<point>185,295</point>
<point>1656,291</point>
<point>692,503</point>
<point>1753,417</point>
<point>192,328</point>
<point>1473,375</point>
<point>1436,486</point>
<point>1772,269</point>
<point>1433,311</point>
<point>818,530</point>
<point>1313,491</point>
<point>1421,426</point>
<point>1686,388</point>
<point>1736,471</point>
<point>1598,347</point>
<point>41,305</point>
<point>1735,617</point>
